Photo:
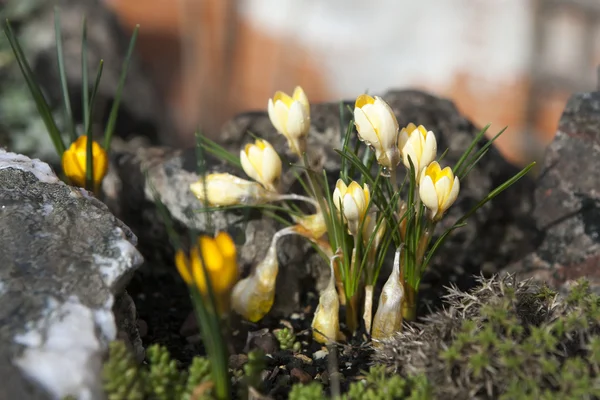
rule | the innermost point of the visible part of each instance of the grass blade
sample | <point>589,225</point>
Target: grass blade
<point>63,77</point>
<point>219,151</point>
<point>40,102</point>
<point>478,156</point>
<point>85,93</point>
<point>89,161</point>
<point>114,111</point>
<point>467,152</point>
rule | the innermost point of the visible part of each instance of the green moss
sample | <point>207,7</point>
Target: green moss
<point>287,339</point>
<point>124,379</point>
<point>505,340</point>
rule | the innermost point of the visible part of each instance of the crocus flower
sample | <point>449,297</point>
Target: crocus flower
<point>377,126</point>
<point>223,189</point>
<point>418,144</point>
<point>388,317</point>
<point>74,162</point>
<point>219,257</point>
<point>261,163</point>
<point>354,200</point>
<point>291,117</point>
<point>438,189</point>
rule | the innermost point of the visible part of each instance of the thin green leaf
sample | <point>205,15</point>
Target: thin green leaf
<point>63,77</point>
<point>478,156</point>
<point>114,111</point>
<point>201,171</point>
<point>40,102</point>
<point>85,93</point>
<point>219,151</point>
<point>467,152</point>
<point>440,158</point>
<point>89,161</point>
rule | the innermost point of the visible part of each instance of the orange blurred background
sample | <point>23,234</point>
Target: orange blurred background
<point>506,62</point>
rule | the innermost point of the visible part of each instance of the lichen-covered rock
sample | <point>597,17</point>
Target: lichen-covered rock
<point>567,200</point>
<point>495,236</point>
<point>63,258</point>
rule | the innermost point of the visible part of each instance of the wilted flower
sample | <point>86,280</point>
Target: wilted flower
<point>418,144</point>
<point>326,321</point>
<point>377,126</point>
<point>438,189</point>
<point>74,162</point>
<point>222,189</point>
<point>261,163</point>
<point>313,225</point>
<point>291,117</point>
<point>219,257</point>
<point>388,318</point>
<point>354,200</point>
<point>253,296</point>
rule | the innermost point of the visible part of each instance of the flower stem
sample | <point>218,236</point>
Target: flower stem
<point>293,196</point>
<point>409,305</point>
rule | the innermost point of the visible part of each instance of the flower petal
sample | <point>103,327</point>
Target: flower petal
<point>366,130</point>
<point>428,194</point>
<point>273,116</point>
<point>297,122</point>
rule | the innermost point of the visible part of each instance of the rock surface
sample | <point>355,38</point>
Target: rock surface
<point>63,259</point>
<point>496,235</point>
<point>567,200</point>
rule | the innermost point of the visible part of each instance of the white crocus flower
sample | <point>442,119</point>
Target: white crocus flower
<point>222,189</point>
<point>438,189</point>
<point>291,117</point>
<point>418,144</point>
<point>354,200</point>
<point>261,162</point>
<point>377,126</point>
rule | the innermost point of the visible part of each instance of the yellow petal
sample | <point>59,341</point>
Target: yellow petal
<point>363,99</point>
<point>183,266</point>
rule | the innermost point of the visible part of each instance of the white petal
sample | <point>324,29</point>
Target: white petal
<point>365,129</point>
<point>402,139</point>
<point>443,187</point>
<point>281,115</point>
<point>248,167</point>
<point>409,151</point>
<point>388,125</point>
<point>255,155</point>
<point>271,164</point>
<point>274,118</point>
<point>297,121</point>
<point>300,96</point>
<point>337,198</point>
<point>453,194</point>
<point>428,194</point>
<point>429,149</point>
<point>350,208</point>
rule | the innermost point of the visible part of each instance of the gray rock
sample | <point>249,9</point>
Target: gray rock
<point>498,234</point>
<point>64,258</point>
<point>567,200</point>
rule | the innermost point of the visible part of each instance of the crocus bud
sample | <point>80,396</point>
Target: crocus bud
<point>253,296</point>
<point>219,257</point>
<point>438,189</point>
<point>291,117</point>
<point>326,321</point>
<point>418,144</point>
<point>377,126</point>
<point>354,201</point>
<point>222,189</point>
<point>261,163</point>
<point>74,162</point>
<point>388,318</point>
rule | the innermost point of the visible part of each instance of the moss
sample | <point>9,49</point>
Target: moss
<point>162,378</point>
<point>505,340</point>
<point>286,338</point>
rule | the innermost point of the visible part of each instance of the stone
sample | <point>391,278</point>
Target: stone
<point>567,201</point>
<point>495,236</point>
<point>64,259</point>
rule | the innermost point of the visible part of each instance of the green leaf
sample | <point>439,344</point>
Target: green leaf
<point>463,172</point>
<point>114,111</point>
<point>89,161</point>
<point>219,151</point>
<point>63,77</point>
<point>40,102</point>
<point>201,171</point>
<point>85,93</point>
<point>467,152</point>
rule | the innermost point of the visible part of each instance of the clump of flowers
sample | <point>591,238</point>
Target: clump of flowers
<point>84,161</point>
<point>353,225</point>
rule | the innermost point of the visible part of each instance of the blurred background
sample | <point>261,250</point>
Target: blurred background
<point>506,62</point>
